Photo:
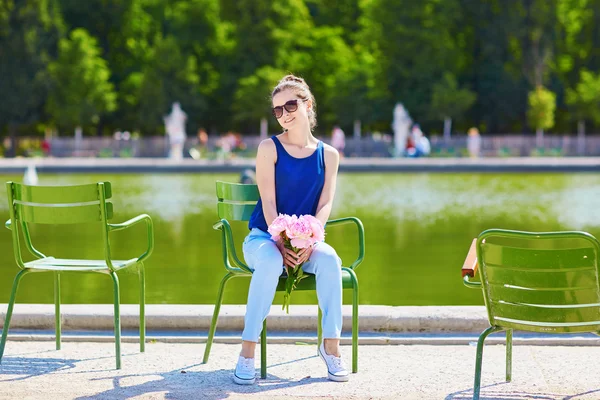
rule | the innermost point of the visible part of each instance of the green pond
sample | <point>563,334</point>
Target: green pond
<point>418,229</point>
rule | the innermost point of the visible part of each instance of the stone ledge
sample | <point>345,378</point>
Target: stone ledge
<point>433,319</point>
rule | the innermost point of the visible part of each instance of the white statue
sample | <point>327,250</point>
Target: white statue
<point>401,126</point>
<point>30,177</point>
<point>175,127</point>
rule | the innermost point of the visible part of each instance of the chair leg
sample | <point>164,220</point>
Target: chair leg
<point>263,351</point>
<point>215,318</point>
<point>117,318</point>
<point>354,320</point>
<point>142,308</point>
<point>9,310</point>
<point>509,334</point>
<point>57,315</point>
<point>479,358</point>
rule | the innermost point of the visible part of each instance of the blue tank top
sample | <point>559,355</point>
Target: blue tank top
<point>298,184</point>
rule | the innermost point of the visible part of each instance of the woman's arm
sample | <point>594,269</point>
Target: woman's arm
<point>332,162</point>
<point>265,178</point>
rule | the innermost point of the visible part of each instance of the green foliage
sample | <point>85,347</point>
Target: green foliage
<point>542,104</point>
<point>355,93</point>
<point>29,33</point>
<point>170,76</point>
<point>252,98</point>
<point>80,91</point>
<point>585,98</point>
<point>448,101</point>
<point>219,58</point>
<point>414,43</point>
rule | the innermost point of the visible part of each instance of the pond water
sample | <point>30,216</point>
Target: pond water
<point>418,229</point>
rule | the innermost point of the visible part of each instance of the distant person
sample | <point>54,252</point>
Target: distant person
<point>420,144</point>
<point>473,142</point>
<point>201,145</point>
<point>202,137</point>
<point>46,147</point>
<point>338,140</point>
<point>248,176</point>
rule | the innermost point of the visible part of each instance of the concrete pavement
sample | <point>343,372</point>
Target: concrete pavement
<point>34,370</point>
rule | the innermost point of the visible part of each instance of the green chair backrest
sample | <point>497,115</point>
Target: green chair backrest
<point>236,201</point>
<point>56,205</point>
<point>542,282</point>
<point>60,204</point>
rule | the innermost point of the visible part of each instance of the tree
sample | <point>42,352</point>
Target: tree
<point>448,101</point>
<point>264,33</point>
<point>80,91</point>
<point>355,97</point>
<point>170,76</point>
<point>584,101</point>
<point>540,114</point>
<point>252,101</point>
<point>124,30</point>
<point>324,60</point>
<point>29,34</point>
<point>415,43</point>
<point>200,32</point>
<point>345,14</point>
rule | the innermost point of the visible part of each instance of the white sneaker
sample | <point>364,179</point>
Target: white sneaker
<point>245,373</point>
<point>336,370</point>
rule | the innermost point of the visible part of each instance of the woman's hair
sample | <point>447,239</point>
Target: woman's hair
<point>301,89</point>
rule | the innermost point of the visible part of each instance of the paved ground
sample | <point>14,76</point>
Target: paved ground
<point>33,370</point>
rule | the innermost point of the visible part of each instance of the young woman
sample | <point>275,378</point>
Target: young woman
<point>296,174</point>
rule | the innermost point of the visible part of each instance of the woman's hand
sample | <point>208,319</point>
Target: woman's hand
<point>291,259</point>
<point>304,254</point>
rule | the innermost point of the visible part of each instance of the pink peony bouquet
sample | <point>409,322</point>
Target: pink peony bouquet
<point>295,233</point>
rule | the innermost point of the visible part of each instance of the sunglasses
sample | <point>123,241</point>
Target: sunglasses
<point>289,106</point>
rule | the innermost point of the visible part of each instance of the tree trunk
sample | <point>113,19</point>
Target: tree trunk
<point>264,127</point>
<point>539,137</point>
<point>100,127</point>
<point>12,133</point>
<point>357,129</point>
<point>581,137</point>
<point>78,140</point>
<point>447,128</point>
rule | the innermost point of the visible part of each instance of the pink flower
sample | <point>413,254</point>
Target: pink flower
<point>300,234</point>
<point>318,233</point>
<point>278,225</point>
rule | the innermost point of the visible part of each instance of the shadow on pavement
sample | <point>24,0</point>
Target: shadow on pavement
<point>187,383</point>
<point>28,367</point>
<point>507,395</point>
<point>25,368</point>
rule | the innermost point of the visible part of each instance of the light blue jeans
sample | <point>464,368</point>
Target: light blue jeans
<point>263,257</point>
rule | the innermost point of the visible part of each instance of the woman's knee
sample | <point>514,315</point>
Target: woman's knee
<point>269,261</point>
<point>326,260</point>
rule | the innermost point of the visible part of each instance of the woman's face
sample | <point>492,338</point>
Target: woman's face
<point>291,119</point>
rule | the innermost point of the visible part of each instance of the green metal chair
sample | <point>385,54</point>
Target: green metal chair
<point>71,205</point>
<point>536,282</point>
<point>235,202</point>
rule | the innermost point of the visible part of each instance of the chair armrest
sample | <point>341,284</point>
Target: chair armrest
<point>8,224</point>
<point>229,254</point>
<point>470,265</point>
<point>361,236</point>
<point>469,268</point>
<point>133,221</point>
